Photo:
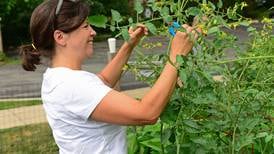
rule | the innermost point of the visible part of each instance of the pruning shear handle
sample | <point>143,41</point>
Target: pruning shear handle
<point>173,28</point>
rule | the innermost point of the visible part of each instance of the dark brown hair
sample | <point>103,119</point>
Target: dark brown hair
<point>44,22</point>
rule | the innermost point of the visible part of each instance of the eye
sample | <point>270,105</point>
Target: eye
<point>86,25</point>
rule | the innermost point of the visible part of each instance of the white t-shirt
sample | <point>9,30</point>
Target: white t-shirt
<point>69,97</point>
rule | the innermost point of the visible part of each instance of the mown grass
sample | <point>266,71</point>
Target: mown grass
<point>15,104</point>
<point>29,139</point>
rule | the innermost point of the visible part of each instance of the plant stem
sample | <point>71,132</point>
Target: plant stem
<point>246,65</point>
<point>178,6</point>
<point>233,138</point>
<point>218,135</point>
<point>168,47</point>
<point>183,5</point>
<point>162,144</point>
<point>178,138</point>
<point>147,21</point>
<point>192,114</point>
<point>177,141</point>
<point>240,59</point>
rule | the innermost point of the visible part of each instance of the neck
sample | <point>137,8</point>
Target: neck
<point>66,61</point>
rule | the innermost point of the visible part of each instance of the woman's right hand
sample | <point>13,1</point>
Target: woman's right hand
<point>182,42</point>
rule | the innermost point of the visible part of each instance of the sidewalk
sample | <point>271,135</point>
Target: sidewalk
<point>35,114</point>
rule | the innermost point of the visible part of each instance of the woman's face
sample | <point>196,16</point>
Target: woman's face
<point>81,40</point>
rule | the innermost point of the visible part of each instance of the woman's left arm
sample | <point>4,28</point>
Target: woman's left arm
<point>112,72</point>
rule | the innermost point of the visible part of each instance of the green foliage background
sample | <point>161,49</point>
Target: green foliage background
<point>15,15</point>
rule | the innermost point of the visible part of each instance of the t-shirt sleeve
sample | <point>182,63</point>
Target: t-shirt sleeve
<point>86,95</point>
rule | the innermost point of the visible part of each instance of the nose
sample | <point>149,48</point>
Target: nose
<point>92,32</point>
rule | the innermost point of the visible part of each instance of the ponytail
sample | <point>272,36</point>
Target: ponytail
<point>44,22</point>
<point>30,57</point>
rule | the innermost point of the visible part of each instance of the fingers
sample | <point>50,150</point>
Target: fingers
<point>198,31</point>
<point>192,30</point>
<point>130,30</point>
<point>188,28</point>
<point>143,27</point>
<point>139,29</point>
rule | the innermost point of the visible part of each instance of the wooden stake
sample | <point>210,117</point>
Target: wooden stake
<point>1,42</point>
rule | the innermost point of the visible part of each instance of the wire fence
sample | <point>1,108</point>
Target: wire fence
<point>23,124</point>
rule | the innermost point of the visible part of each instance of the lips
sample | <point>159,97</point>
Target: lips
<point>90,41</point>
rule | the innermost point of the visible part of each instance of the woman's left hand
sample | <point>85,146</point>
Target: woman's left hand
<point>136,34</point>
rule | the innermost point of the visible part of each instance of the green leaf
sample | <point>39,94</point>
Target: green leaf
<point>213,30</point>
<point>220,4</point>
<point>169,115</point>
<point>183,75</point>
<point>116,16</point>
<point>231,14</point>
<point>153,143</point>
<point>132,143</point>
<point>164,12</point>
<point>199,140</point>
<point>154,6</point>
<point>138,7</point>
<point>130,20</point>
<point>245,23</point>
<point>98,21</point>
<point>268,138</point>
<point>191,130</point>
<point>167,18</point>
<point>193,11</point>
<point>166,135</point>
<point>251,29</point>
<point>112,28</point>
<point>180,60</point>
<point>243,141</point>
<point>191,123</point>
<point>262,134</point>
<point>251,91</point>
<point>151,27</point>
<point>249,124</point>
<point>173,8</point>
<point>212,5</point>
<point>125,34</point>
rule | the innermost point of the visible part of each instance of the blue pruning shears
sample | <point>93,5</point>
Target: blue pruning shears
<point>173,28</point>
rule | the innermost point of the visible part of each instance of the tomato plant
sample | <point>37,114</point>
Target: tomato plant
<point>222,104</point>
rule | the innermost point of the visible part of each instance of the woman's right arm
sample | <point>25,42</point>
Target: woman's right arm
<point>119,108</point>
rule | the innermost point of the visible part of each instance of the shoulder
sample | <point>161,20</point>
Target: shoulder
<point>71,80</point>
<point>66,75</point>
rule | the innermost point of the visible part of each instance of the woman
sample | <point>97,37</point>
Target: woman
<point>84,112</point>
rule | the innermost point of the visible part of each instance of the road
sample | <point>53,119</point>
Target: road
<point>17,83</point>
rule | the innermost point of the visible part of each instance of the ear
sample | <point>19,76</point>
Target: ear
<point>59,37</point>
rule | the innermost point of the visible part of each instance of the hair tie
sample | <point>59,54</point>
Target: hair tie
<point>33,46</point>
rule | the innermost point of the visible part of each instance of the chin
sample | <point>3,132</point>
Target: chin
<point>89,54</point>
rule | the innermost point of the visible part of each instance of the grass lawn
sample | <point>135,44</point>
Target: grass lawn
<point>27,139</point>
<point>14,104</point>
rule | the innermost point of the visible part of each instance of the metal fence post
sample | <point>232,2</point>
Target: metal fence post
<point>111,54</point>
<point>1,42</point>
